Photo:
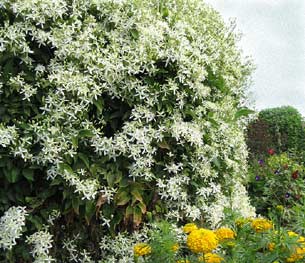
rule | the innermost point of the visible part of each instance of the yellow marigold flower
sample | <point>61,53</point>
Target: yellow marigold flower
<point>271,246</point>
<point>224,234</point>
<point>211,258</point>
<point>261,224</point>
<point>202,241</point>
<point>188,228</point>
<point>299,252</point>
<point>141,249</point>
<point>175,247</point>
<point>297,255</point>
<point>294,234</point>
<point>183,261</point>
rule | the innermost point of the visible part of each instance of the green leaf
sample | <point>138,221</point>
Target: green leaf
<point>128,211</point>
<point>137,216</point>
<point>74,141</point>
<point>243,112</point>
<point>124,182</point>
<point>142,207</point>
<point>122,198</point>
<point>85,133</point>
<point>135,33</point>
<point>75,205</point>
<point>113,177</point>
<point>36,221</point>
<point>34,202</point>
<point>136,194</point>
<point>216,162</point>
<point>12,175</point>
<point>85,159</point>
<point>116,114</point>
<point>56,181</point>
<point>28,174</point>
<point>99,103</point>
<point>149,216</point>
<point>66,167</point>
<point>89,210</point>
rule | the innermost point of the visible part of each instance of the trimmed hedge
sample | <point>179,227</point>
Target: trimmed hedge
<point>279,128</point>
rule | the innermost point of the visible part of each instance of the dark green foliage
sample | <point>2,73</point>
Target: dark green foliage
<point>279,128</point>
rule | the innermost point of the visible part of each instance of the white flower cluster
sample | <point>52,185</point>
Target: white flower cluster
<point>119,249</point>
<point>11,224</point>
<point>53,215</point>
<point>178,72</point>
<point>238,201</point>
<point>69,244</point>
<point>8,135</point>
<point>87,187</point>
<point>42,243</point>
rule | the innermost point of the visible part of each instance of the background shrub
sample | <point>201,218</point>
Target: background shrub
<point>114,113</point>
<point>279,128</point>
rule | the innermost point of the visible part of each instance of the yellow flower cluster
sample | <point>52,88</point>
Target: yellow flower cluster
<point>141,249</point>
<point>175,247</point>
<point>202,241</point>
<point>261,224</point>
<point>188,228</point>
<point>183,261</point>
<point>224,234</point>
<point>299,252</point>
<point>271,246</point>
<point>211,258</point>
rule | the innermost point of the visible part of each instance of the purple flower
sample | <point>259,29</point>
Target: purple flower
<point>257,178</point>
<point>260,162</point>
<point>287,195</point>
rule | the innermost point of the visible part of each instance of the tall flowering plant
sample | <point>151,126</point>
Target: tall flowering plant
<point>117,112</point>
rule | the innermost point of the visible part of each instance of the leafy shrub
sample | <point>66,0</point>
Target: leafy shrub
<point>276,180</point>
<point>116,112</point>
<point>280,128</point>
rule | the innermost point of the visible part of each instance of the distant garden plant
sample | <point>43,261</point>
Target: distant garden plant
<point>114,113</point>
<point>276,180</point>
<point>281,128</point>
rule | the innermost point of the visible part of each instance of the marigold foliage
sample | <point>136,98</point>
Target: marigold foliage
<point>299,250</point>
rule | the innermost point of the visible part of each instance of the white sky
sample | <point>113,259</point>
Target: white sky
<point>274,35</point>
